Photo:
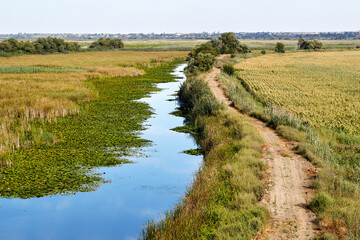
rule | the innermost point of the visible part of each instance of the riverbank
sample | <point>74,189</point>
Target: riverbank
<point>221,203</point>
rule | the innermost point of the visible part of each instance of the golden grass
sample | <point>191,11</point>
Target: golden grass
<point>321,88</point>
<point>93,59</point>
<point>46,95</point>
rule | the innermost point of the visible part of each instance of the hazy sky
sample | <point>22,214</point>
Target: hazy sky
<point>120,16</point>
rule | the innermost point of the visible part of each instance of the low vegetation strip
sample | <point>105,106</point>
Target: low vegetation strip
<point>222,201</point>
<point>31,69</point>
<point>335,152</point>
<point>64,152</point>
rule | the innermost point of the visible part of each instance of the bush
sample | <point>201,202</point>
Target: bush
<point>263,52</point>
<point>280,47</point>
<point>309,45</point>
<point>320,202</point>
<point>202,57</point>
<point>196,98</point>
<point>228,69</point>
<point>40,46</point>
<point>107,43</point>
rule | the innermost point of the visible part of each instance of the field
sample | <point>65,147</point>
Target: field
<point>47,86</point>
<point>291,45</point>
<point>322,89</point>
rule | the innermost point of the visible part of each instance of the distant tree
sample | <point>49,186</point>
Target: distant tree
<point>304,44</point>
<point>28,47</point>
<point>280,47</point>
<point>203,48</point>
<point>301,43</point>
<point>5,46</point>
<point>107,43</point>
<point>243,48</point>
<point>317,44</point>
<point>229,43</point>
<point>15,44</point>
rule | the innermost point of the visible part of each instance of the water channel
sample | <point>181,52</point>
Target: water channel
<point>138,192</point>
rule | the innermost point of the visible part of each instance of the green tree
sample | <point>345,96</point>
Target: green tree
<point>280,47</point>
<point>304,44</point>
<point>229,43</point>
<point>5,46</point>
<point>28,47</point>
<point>107,43</point>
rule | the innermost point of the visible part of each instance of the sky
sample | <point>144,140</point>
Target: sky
<point>170,16</point>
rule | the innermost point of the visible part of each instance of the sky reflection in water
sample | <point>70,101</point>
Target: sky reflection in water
<point>138,192</point>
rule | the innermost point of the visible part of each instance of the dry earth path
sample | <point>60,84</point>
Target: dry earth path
<point>288,174</point>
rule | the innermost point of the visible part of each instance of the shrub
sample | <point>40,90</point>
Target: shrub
<point>107,43</point>
<point>196,98</point>
<point>40,46</point>
<point>263,52</point>
<point>228,69</point>
<point>280,47</point>
<point>304,44</point>
<point>320,202</point>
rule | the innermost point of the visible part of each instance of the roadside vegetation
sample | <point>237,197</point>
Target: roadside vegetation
<point>202,57</point>
<point>311,98</point>
<point>53,119</point>
<point>221,203</point>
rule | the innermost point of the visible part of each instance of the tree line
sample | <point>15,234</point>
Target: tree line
<point>303,44</point>
<point>202,57</point>
<point>54,45</point>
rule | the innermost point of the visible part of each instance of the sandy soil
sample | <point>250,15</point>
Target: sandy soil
<point>288,176</point>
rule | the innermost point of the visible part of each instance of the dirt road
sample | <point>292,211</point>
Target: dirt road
<point>289,175</point>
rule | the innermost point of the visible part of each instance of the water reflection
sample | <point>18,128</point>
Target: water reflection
<point>118,210</point>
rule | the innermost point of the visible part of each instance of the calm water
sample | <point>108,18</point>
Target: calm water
<point>138,192</point>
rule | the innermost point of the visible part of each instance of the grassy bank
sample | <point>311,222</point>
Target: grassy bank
<point>66,151</point>
<point>334,152</point>
<point>222,201</point>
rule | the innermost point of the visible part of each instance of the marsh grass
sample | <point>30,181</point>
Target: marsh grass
<point>32,69</point>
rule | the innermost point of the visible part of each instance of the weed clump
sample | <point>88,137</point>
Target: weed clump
<point>228,69</point>
<point>320,202</point>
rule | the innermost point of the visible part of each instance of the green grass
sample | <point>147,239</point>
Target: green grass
<point>35,69</point>
<point>67,150</point>
<point>222,202</point>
